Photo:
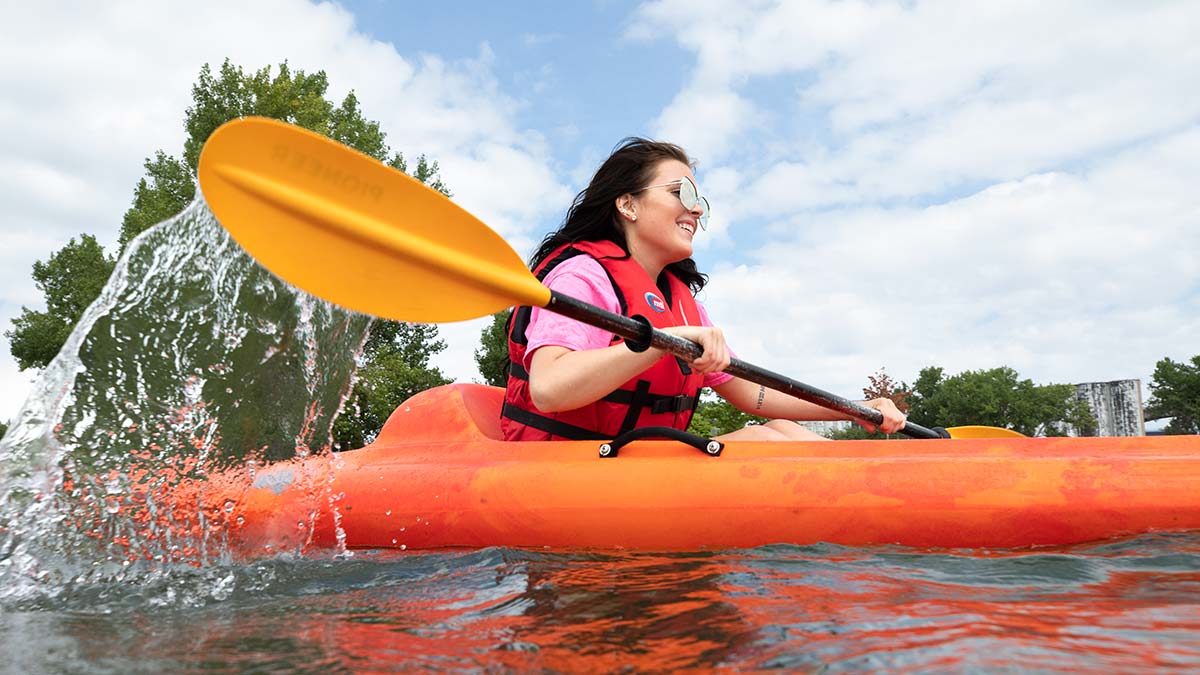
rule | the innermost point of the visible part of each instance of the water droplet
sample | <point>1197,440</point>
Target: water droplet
<point>229,504</point>
<point>388,512</point>
<point>403,546</point>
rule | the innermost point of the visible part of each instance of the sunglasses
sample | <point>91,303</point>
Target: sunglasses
<point>689,196</point>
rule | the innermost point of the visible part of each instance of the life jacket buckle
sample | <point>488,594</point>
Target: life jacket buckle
<point>673,404</point>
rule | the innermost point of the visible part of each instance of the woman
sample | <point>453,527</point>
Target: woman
<point>626,246</point>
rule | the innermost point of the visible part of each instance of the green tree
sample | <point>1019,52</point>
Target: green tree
<point>492,354</point>
<point>996,397</point>
<point>426,172</point>
<point>396,356</point>
<point>70,280</point>
<point>857,433</point>
<point>1175,393</point>
<point>166,189</point>
<point>879,385</point>
<point>292,96</point>
<point>396,366</point>
<point>716,417</point>
<point>396,360</point>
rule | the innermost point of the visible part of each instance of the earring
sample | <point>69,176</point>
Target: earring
<point>633,216</point>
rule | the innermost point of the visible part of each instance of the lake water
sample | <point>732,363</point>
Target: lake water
<point>1130,606</point>
<point>194,358</point>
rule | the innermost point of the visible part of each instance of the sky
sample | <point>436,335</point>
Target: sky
<point>894,184</point>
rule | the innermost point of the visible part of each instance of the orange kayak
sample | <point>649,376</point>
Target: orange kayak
<point>438,476</point>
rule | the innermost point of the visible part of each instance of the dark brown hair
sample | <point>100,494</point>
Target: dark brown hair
<point>593,214</point>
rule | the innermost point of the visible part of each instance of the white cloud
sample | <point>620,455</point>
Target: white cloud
<point>16,387</point>
<point>462,339</point>
<point>92,89</point>
<point>512,190</point>
<point>705,121</point>
<point>911,100</point>
<point>957,184</point>
<point>1067,277</point>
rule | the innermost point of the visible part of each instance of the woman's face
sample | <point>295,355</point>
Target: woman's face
<point>664,228</point>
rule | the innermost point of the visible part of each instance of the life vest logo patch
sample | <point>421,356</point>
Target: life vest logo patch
<point>656,303</point>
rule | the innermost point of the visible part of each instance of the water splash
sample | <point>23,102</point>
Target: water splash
<point>193,358</point>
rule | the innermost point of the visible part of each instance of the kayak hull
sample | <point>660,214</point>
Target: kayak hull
<point>439,477</point>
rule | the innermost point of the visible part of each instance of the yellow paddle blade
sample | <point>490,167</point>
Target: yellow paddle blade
<point>975,431</point>
<point>349,229</point>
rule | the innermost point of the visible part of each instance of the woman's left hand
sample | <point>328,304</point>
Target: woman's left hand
<point>893,419</point>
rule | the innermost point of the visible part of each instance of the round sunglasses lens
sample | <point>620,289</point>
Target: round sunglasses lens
<point>704,213</point>
<point>687,193</point>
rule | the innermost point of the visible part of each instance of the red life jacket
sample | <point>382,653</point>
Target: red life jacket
<point>663,395</point>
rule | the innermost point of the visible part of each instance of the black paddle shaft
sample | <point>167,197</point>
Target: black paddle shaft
<point>632,329</point>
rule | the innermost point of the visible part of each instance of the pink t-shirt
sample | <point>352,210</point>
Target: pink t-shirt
<point>582,278</point>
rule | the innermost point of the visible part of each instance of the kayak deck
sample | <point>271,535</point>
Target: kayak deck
<point>439,476</point>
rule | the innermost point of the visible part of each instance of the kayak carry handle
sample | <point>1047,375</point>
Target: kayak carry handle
<point>708,446</point>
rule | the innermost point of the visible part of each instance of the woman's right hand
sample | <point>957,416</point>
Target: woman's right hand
<point>716,352</point>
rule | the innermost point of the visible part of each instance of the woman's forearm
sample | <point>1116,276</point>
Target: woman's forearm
<point>562,379</point>
<point>756,399</point>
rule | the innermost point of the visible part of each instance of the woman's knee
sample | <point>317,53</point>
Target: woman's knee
<point>789,430</point>
<point>753,432</point>
<point>773,430</point>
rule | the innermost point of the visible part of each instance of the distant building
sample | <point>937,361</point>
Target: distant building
<point>1116,405</point>
<point>827,428</point>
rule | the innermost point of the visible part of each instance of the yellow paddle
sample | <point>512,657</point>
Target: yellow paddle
<point>977,431</point>
<point>344,227</point>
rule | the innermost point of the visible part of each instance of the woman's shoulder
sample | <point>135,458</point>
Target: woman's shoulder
<point>582,266</point>
<point>583,278</point>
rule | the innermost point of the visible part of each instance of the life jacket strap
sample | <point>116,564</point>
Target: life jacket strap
<point>549,425</point>
<point>658,403</point>
<point>638,399</point>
